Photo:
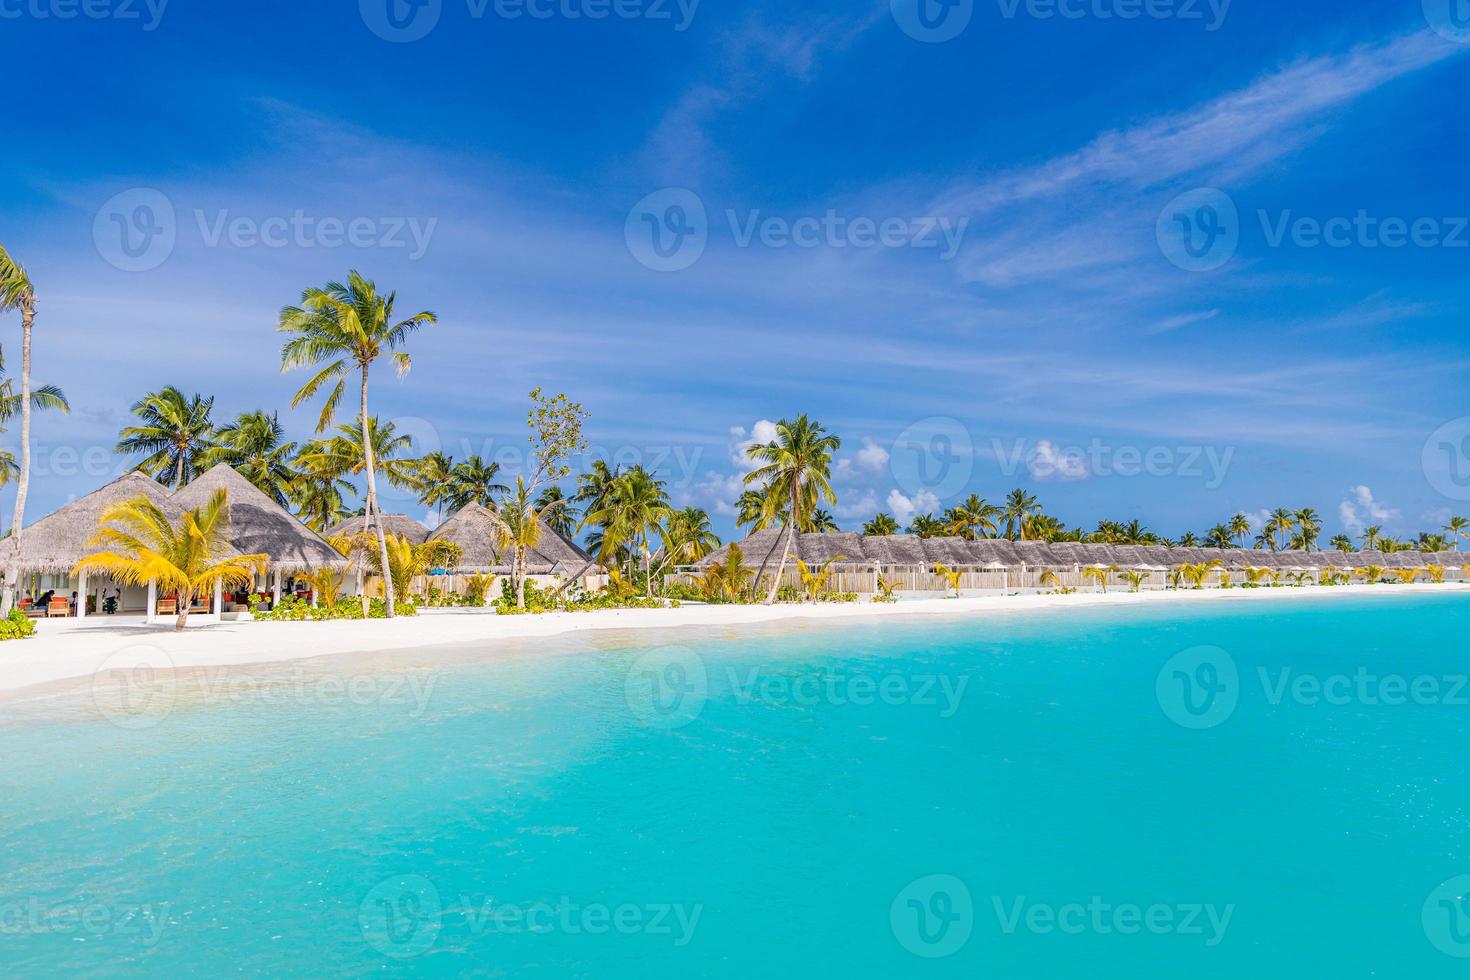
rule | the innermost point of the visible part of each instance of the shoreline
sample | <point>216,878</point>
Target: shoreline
<point>66,655</point>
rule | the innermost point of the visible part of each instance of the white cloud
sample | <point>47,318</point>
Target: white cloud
<point>872,456</point>
<point>1048,462</point>
<point>742,439</point>
<point>862,508</point>
<point>904,508</point>
<point>1360,509</point>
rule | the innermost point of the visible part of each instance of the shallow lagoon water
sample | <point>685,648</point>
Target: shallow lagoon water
<point>1212,790</point>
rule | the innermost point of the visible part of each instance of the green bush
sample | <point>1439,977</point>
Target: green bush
<point>294,610</point>
<point>17,626</point>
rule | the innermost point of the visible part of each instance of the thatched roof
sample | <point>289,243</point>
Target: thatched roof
<point>259,525</point>
<point>473,529</point>
<point>55,543</point>
<point>399,524</point>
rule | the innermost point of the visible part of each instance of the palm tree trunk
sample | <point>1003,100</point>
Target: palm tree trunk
<point>647,573</point>
<point>792,519</point>
<point>517,569</point>
<point>185,598</point>
<point>17,523</point>
<point>372,496</point>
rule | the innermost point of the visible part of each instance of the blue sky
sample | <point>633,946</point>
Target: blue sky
<point>965,256</point>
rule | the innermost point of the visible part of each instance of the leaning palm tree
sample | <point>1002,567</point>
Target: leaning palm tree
<point>143,545</point>
<point>345,326</point>
<point>795,471</point>
<point>255,445</point>
<point>174,433</point>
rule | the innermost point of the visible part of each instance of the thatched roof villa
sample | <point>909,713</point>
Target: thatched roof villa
<point>259,525</point>
<point>1002,565</point>
<point>399,524</point>
<point>473,529</point>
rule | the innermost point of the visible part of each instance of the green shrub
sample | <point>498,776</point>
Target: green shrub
<point>294,610</point>
<point>17,626</point>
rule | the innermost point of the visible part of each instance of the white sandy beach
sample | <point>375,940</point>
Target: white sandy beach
<point>62,652</point>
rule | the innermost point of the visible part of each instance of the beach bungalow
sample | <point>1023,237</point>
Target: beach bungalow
<point>554,561</point>
<point>400,524</point>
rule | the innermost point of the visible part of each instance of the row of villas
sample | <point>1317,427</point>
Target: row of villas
<point>1000,566</point>
<point>49,549</point>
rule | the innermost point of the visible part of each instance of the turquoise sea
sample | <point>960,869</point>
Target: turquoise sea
<point>1210,790</point>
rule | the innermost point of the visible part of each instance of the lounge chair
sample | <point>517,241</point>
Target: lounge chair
<point>168,607</point>
<point>32,610</point>
<point>60,606</point>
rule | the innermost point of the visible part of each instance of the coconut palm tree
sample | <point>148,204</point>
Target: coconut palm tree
<point>726,580</point>
<point>820,522</point>
<point>1100,574</point>
<point>143,545</point>
<point>1019,509</point>
<point>255,445</point>
<point>632,513</point>
<point>752,514</point>
<point>408,561</point>
<point>1458,529</point>
<point>1308,529</point>
<point>342,456</point>
<point>17,293</point>
<point>1371,537</point>
<point>42,398</point>
<point>518,525</point>
<point>687,537</point>
<point>475,481</point>
<point>814,580</point>
<point>1219,537</point>
<point>881,526</point>
<point>1341,542</point>
<point>434,473</point>
<point>319,500</point>
<point>1240,528</point>
<point>927,526</point>
<point>1135,580</point>
<point>953,576</point>
<point>346,326</point>
<point>974,518</point>
<point>795,470</point>
<point>1188,540</point>
<point>175,432</point>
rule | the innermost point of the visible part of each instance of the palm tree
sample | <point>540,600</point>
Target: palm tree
<point>728,580</point>
<point>254,444</point>
<point>973,519</point>
<point>175,433</point>
<point>44,397</point>
<point>1281,522</point>
<point>1135,580</point>
<point>687,536</point>
<point>751,512</point>
<point>342,456</point>
<point>563,518</point>
<point>434,472</point>
<point>1309,527</point>
<point>1100,574</point>
<point>408,561</point>
<point>795,471</point>
<point>881,526</point>
<point>1341,542</point>
<point>1458,529</point>
<point>339,324</point>
<point>953,576</point>
<point>17,293</point>
<point>318,500</point>
<point>1371,536</point>
<point>1188,540</point>
<point>518,525</point>
<point>143,546</point>
<point>814,581</point>
<point>1240,528</point>
<point>632,513</point>
<point>1019,509</point>
<point>475,481</point>
<point>927,526</point>
<point>1219,537</point>
<point>821,522</point>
